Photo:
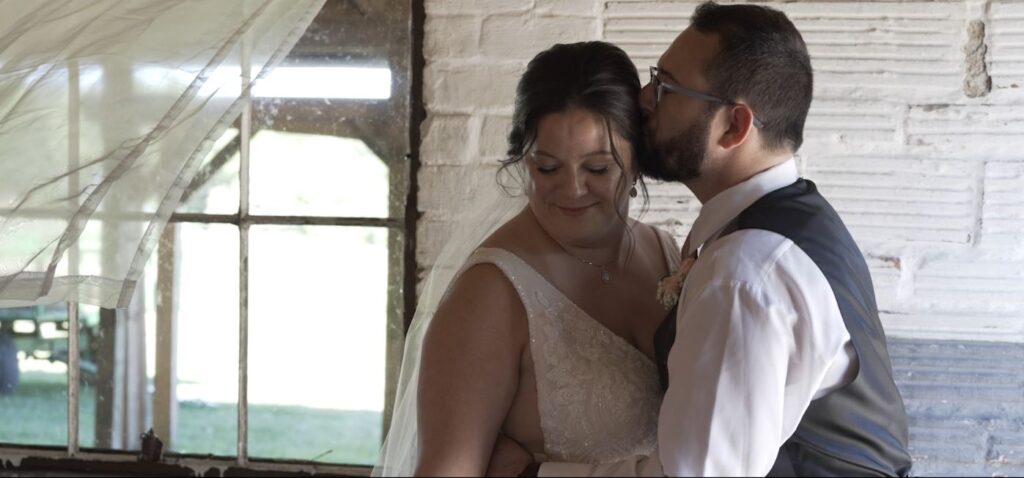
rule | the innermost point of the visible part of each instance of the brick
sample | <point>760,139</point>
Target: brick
<point>836,121</point>
<point>1003,210</point>
<point>891,200</point>
<point>980,287</point>
<point>523,36</point>
<point>649,9</point>
<point>1007,46</point>
<point>588,8</point>
<point>475,7</point>
<point>431,237</point>
<point>445,139</point>
<point>980,125</point>
<point>469,88</point>
<point>450,191</point>
<point>494,137</point>
<point>451,37</point>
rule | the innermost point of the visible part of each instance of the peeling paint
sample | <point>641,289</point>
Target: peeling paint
<point>977,82</point>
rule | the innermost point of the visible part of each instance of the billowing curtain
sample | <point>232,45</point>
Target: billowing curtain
<point>107,109</point>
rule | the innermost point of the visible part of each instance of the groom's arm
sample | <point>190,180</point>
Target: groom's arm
<point>743,369</point>
<point>722,413</point>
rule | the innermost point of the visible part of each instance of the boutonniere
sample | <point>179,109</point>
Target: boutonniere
<point>672,285</point>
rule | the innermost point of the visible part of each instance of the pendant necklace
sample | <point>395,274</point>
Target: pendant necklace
<point>606,277</point>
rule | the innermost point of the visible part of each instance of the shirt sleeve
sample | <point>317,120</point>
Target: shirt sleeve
<point>722,413</point>
<point>751,352</point>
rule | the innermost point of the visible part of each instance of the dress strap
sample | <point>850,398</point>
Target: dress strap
<point>669,249</point>
<point>514,269</point>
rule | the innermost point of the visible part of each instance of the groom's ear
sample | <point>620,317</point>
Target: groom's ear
<point>739,122</point>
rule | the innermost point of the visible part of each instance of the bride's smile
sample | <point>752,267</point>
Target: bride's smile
<point>579,188</point>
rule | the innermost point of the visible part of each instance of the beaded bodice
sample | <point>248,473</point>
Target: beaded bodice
<point>598,396</point>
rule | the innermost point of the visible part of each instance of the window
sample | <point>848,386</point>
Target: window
<point>267,328</point>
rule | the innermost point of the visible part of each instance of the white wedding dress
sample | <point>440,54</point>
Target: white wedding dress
<point>598,396</point>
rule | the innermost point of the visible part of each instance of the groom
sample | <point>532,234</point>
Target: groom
<point>779,363</point>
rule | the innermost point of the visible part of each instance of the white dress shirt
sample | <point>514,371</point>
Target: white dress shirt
<point>759,336</point>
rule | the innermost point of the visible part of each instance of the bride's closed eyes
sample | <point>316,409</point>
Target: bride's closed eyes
<point>600,170</point>
<point>547,164</point>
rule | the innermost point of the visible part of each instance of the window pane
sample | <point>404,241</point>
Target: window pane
<point>206,355</point>
<point>214,189</point>
<point>197,294</point>
<point>109,416</point>
<point>316,175</point>
<point>33,375</point>
<point>318,310</point>
<point>343,94</point>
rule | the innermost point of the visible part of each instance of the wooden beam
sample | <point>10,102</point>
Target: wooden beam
<point>165,399</point>
<point>109,360</point>
<point>135,388</point>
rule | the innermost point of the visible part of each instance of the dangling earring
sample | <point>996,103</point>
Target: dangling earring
<point>632,190</point>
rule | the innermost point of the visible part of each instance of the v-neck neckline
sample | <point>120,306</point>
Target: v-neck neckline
<point>579,310</point>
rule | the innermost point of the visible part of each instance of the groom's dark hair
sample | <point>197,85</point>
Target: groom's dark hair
<point>762,60</point>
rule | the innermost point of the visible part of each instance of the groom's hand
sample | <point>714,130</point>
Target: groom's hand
<point>509,458</point>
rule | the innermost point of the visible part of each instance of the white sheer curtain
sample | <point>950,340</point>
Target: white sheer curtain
<point>107,107</point>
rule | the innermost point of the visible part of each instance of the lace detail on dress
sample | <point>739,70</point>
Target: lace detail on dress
<point>598,396</point>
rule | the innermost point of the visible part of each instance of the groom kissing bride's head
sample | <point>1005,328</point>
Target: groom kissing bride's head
<point>737,75</point>
<point>573,340</point>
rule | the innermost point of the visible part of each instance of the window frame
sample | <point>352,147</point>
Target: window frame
<point>44,458</point>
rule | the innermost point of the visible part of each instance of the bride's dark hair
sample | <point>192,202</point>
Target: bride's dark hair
<point>596,76</point>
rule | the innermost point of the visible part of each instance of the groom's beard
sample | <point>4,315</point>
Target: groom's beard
<point>679,158</point>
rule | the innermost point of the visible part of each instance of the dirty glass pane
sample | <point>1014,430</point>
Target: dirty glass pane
<point>34,359</point>
<point>196,298</point>
<point>318,314</point>
<point>33,375</point>
<point>206,352</point>
<point>112,410</point>
<point>316,175</point>
<point>331,122</point>
<point>215,189</point>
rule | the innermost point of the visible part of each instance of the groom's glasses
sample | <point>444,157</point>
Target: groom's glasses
<point>660,86</point>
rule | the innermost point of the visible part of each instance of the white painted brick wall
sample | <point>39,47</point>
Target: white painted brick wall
<point>929,179</point>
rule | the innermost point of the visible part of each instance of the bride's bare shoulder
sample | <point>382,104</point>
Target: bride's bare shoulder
<point>481,305</point>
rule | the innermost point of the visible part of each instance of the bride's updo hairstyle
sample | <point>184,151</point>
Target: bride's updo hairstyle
<point>596,76</point>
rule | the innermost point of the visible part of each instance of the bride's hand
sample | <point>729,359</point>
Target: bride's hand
<point>509,458</point>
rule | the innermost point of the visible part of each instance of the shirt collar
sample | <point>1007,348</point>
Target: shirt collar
<point>726,205</point>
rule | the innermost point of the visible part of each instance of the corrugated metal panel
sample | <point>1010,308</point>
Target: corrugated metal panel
<point>966,405</point>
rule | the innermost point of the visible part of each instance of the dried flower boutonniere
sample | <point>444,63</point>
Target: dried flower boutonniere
<point>672,285</point>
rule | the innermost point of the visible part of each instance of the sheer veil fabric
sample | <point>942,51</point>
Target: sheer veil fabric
<point>107,109</point>
<point>495,206</point>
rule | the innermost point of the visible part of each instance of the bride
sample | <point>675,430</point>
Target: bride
<point>542,327</point>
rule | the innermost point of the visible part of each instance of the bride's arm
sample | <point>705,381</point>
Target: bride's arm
<point>469,373</point>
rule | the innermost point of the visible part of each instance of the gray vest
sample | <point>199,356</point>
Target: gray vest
<point>861,428</point>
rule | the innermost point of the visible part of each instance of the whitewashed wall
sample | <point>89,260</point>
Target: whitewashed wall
<point>916,135</point>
